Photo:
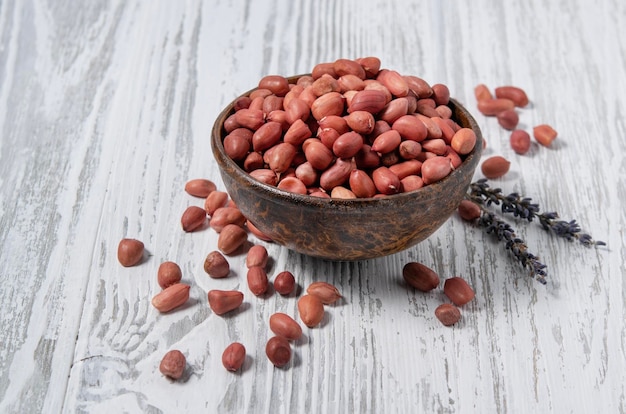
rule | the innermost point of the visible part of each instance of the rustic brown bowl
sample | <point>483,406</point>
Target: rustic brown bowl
<point>346,230</point>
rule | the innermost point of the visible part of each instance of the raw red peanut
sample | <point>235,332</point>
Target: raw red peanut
<point>495,166</point>
<point>279,85</point>
<point>272,103</point>
<point>458,290</point>
<point>436,146</point>
<point>409,149</point>
<point>241,103</point>
<point>419,86</point>
<point>224,301</point>
<point>285,326</point>
<point>544,134</point>
<point>446,130</point>
<point>520,141</point>
<point>297,108</point>
<point>243,132</point>
<point>389,159</point>
<point>338,123</point>
<point>200,187</point>
<point>231,238</point>
<point>468,210</point>
<point>260,93</point>
<point>444,111</point>
<point>236,146</point>
<point>348,67</point>
<point>432,128</point>
<point>258,233</point>
<point>325,291</point>
<point>411,182</point>
<point>297,133</point>
<point>361,184</point>
<point>405,168</point>
<point>374,85</point>
<point>250,118</point>
<point>292,185</point>
<point>463,141</point>
<point>515,94</point>
<point>328,136</point>
<point>214,201</point>
<point>361,122</point>
<point>278,351</point>
<point>427,107</point>
<point>323,68</point>
<point>306,174</point>
<point>230,124</point>
<point>318,154</point>
<point>454,157</point>
<point>394,110</point>
<point>173,364</point>
<point>366,158</point>
<point>393,81</point>
<point>441,94</point>
<point>348,144</point>
<point>257,280</point>
<point>226,215</point>
<point>494,106</point>
<point>193,218</point>
<point>350,83</point>
<point>342,192</point>
<point>386,181</point>
<point>311,310</point>
<point>370,64</point>
<point>331,103</point>
<point>284,283</point>
<point>265,175</point>
<point>257,256</point>
<point>387,141</point>
<point>257,104</point>
<point>420,276</point>
<point>305,80</point>
<point>266,136</point>
<point>336,174</point>
<point>171,297</point>
<point>435,169</point>
<point>324,85</point>
<point>234,356</point>
<point>280,157</point>
<point>411,128</point>
<point>508,119</point>
<point>372,101</point>
<point>448,314</point>
<point>216,265</point>
<point>482,92</point>
<point>130,252</point>
<point>169,273</point>
<point>253,161</point>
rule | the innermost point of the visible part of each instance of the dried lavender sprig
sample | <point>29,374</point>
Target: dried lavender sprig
<point>503,231</point>
<point>522,207</point>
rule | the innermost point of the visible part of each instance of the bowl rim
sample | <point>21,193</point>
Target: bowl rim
<point>469,162</point>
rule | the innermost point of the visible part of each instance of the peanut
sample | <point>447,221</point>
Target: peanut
<point>386,181</point>
<point>173,364</point>
<point>520,141</point>
<point>468,210</point>
<point>215,200</point>
<point>361,184</point>
<point>284,283</point>
<point>492,107</point>
<point>278,351</point>
<point>482,92</point>
<point>513,93</point>
<point>293,185</point>
<point>257,280</point>
<point>348,144</point>
<point>463,141</point>
<point>193,218</point>
<point>130,252</point>
<point>224,301</point>
<point>311,310</point>
<point>169,273</point>
<point>448,314</point>
<point>326,292</point>
<point>420,276</point>
<point>171,297</point>
<point>435,169</point>
<point>278,85</point>
<point>258,233</point>
<point>508,119</point>
<point>231,238</point>
<point>226,215</point>
<point>257,256</point>
<point>266,136</point>
<point>544,134</point>
<point>285,326</point>
<point>495,167</point>
<point>216,265</point>
<point>200,187</point>
<point>387,141</point>
<point>372,101</point>
<point>234,356</point>
<point>458,290</point>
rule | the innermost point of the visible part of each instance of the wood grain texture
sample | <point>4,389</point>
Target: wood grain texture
<point>105,112</point>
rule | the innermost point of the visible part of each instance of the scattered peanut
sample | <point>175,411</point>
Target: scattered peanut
<point>520,141</point>
<point>173,364</point>
<point>284,325</point>
<point>448,314</point>
<point>169,273</point>
<point>458,290</point>
<point>171,297</point>
<point>495,166</point>
<point>216,265</point>
<point>200,187</point>
<point>257,280</point>
<point>284,283</point>
<point>278,351</point>
<point>231,238</point>
<point>193,218</point>
<point>468,210</point>
<point>234,356</point>
<point>544,134</point>
<point>311,310</point>
<point>420,276</point>
<point>257,256</point>
<point>130,252</point>
<point>326,292</point>
<point>224,301</point>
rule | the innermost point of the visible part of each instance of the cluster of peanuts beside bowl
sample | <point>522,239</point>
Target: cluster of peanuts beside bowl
<point>349,162</point>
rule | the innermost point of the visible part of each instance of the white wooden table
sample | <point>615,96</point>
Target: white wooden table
<point>105,112</point>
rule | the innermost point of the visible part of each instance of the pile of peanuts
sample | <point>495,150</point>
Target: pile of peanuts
<point>348,130</point>
<point>504,107</point>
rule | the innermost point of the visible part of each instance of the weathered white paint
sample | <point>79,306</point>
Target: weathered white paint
<point>105,113</point>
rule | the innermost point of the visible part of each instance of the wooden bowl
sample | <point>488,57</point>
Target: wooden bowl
<point>346,229</point>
